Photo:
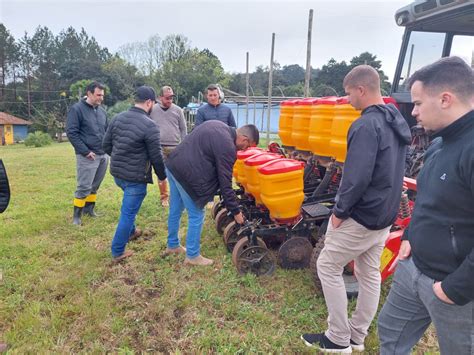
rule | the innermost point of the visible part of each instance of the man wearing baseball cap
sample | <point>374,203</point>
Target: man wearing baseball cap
<point>133,143</point>
<point>172,125</point>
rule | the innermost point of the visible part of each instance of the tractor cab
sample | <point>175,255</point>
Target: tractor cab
<point>433,29</point>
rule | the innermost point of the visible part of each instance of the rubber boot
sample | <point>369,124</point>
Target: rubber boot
<point>164,195</point>
<point>89,209</point>
<point>77,216</point>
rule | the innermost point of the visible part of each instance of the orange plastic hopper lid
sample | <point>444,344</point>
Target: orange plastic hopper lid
<point>244,154</point>
<point>260,159</point>
<point>280,166</point>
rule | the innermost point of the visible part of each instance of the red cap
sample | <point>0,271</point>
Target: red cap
<point>280,166</point>
<point>244,154</point>
<point>289,102</point>
<point>343,100</point>
<point>260,159</point>
<point>328,100</point>
<point>308,101</point>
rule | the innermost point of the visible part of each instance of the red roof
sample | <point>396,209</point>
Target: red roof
<point>6,118</point>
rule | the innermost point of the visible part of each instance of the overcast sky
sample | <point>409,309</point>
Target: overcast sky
<point>341,29</point>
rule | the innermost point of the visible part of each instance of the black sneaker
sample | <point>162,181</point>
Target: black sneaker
<point>322,342</point>
<point>357,347</point>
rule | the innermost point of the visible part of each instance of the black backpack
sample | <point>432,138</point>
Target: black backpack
<point>4,188</point>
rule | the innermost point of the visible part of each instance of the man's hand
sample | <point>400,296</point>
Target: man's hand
<point>438,291</point>
<point>91,156</point>
<point>403,253</point>
<point>336,222</point>
<point>239,218</point>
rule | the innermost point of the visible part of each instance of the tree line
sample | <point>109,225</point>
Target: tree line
<point>42,74</point>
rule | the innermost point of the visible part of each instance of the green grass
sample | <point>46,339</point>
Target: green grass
<point>60,293</point>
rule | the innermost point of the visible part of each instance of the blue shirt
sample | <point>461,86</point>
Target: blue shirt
<point>220,112</point>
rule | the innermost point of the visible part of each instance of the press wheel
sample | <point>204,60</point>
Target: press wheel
<point>295,253</point>
<point>231,236</point>
<point>243,244</point>
<point>216,207</point>
<point>222,220</point>
<point>257,260</point>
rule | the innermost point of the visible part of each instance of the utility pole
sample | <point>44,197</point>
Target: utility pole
<point>270,83</point>
<point>308,55</point>
<point>247,78</point>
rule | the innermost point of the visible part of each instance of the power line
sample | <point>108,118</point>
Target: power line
<point>32,102</point>
<point>26,90</point>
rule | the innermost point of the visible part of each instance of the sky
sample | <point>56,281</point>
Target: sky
<point>229,29</point>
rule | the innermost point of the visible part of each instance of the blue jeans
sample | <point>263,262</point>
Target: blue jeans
<point>179,200</point>
<point>133,195</point>
<point>410,308</point>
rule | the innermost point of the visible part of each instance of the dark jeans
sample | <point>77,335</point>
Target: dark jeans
<point>133,195</point>
<point>410,308</point>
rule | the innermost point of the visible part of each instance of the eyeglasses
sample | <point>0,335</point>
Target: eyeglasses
<point>168,97</point>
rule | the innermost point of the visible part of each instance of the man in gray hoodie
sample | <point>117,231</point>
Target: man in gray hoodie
<point>367,204</point>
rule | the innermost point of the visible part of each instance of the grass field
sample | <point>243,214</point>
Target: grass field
<point>60,293</point>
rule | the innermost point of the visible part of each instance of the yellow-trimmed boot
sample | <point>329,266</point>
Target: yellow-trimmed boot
<point>90,205</point>
<point>79,204</point>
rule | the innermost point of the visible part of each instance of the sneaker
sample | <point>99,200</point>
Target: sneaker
<point>177,250</point>
<point>357,347</point>
<point>125,255</point>
<point>135,235</point>
<point>322,342</point>
<point>198,261</point>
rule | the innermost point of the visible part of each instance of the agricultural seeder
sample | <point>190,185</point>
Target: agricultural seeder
<point>287,193</point>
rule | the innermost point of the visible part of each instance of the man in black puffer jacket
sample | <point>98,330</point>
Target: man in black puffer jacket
<point>196,169</point>
<point>133,142</point>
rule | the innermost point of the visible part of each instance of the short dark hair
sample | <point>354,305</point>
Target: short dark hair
<point>93,85</point>
<point>362,75</point>
<point>251,132</point>
<point>450,74</point>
